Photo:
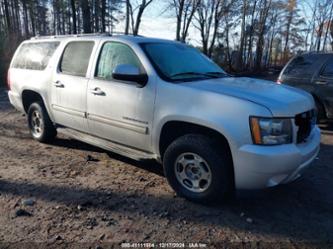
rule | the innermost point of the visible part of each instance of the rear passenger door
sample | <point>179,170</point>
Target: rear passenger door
<point>69,86</point>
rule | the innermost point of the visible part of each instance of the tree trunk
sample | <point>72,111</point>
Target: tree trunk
<point>25,17</point>
<point>328,27</point>
<point>320,33</point>
<point>138,17</point>
<point>179,18</point>
<point>86,16</point>
<point>250,44</point>
<point>127,22</point>
<point>32,19</point>
<point>103,15</point>
<point>285,50</point>
<point>242,38</point>
<point>16,10</point>
<point>96,15</point>
<point>9,26</point>
<point>74,16</point>
<point>188,20</point>
<point>261,38</point>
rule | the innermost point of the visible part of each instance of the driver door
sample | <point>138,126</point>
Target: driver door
<point>119,111</point>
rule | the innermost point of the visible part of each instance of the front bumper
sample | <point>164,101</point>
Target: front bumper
<point>267,166</point>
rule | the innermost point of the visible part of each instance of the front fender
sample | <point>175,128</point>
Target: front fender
<point>225,114</point>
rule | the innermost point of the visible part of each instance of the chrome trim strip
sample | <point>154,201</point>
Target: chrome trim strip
<point>109,145</point>
<point>120,124</point>
<point>68,111</point>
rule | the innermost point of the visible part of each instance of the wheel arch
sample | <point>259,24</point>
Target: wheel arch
<point>173,129</point>
<point>29,97</point>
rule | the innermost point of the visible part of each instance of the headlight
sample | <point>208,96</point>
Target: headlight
<point>271,131</point>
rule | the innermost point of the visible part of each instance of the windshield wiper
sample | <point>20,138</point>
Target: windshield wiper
<point>210,75</point>
<point>217,73</point>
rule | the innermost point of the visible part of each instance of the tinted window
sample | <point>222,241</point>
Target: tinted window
<point>328,70</point>
<point>112,55</point>
<point>303,66</point>
<point>35,56</point>
<point>75,59</point>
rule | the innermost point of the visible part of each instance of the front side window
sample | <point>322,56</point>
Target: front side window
<point>76,57</point>
<point>328,70</point>
<point>35,56</point>
<point>179,62</point>
<point>303,66</point>
<point>112,55</point>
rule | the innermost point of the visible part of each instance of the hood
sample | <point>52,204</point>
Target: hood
<point>281,100</point>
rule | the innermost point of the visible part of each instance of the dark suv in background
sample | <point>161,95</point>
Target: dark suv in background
<point>312,72</point>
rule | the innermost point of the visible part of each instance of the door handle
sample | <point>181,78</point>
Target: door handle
<point>97,91</point>
<point>59,84</point>
<point>321,82</point>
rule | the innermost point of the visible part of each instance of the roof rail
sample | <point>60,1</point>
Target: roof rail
<point>80,35</point>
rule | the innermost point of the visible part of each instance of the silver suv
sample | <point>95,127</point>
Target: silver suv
<point>156,99</point>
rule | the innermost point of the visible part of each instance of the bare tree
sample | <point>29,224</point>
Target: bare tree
<point>208,17</point>
<point>103,15</point>
<point>73,7</point>
<point>134,14</point>
<point>262,27</point>
<point>242,38</point>
<point>86,13</point>
<point>184,11</point>
<point>8,19</point>
<point>128,16</point>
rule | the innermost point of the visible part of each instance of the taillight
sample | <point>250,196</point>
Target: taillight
<point>8,80</point>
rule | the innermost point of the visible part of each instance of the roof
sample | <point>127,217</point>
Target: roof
<point>130,38</point>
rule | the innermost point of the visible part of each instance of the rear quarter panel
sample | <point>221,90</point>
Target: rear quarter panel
<point>38,81</point>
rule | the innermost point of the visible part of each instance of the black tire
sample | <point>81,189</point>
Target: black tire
<point>47,132</point>
<point>218,160</point>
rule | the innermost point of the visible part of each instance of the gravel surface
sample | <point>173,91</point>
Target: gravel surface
<point>72,195</point>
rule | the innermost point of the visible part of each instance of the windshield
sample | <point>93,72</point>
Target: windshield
<point>178,62</point>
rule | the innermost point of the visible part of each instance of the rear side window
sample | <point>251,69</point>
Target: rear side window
<point>303,66</point>
<point>35,56</point>
<point>76,57</point>
<point>112,55</point>
<point>328,70</point>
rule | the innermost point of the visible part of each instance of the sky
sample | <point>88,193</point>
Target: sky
<point>159,23</point>
<point>156,22</point>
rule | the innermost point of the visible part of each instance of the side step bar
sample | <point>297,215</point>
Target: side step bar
<point>108,145</point>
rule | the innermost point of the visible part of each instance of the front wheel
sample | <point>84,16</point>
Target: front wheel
<point>198,169</point>
<point>40,125</point>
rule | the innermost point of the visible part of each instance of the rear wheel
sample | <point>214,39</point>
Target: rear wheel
<point>40,125</point>
<point>197,170</point>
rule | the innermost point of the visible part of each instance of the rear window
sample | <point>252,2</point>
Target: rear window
<point>76,57</point>
<point>34,56</point>
<point>303,66</point>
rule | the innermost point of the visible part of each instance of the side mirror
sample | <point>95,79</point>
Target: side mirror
<point>127,72</point>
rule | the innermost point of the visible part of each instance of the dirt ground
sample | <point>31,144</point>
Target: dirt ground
<point>72,195</point>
